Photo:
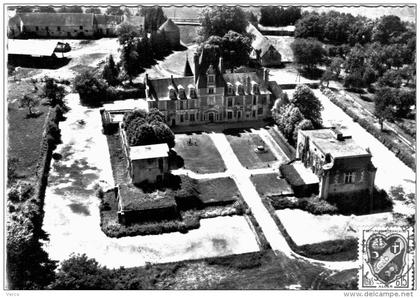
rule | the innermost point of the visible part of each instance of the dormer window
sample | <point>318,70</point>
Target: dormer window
<point>172,93</point>
<point>181,92</point>
<point>239,88</point>
<point>230,89</point>
<point>210,79</point>
<point>255,88</point>
<point>191,91</point>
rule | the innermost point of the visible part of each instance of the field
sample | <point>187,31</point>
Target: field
<point>24,133</point>
<point>244,144</point>
<point>199,153</point>
<point>271,184</point>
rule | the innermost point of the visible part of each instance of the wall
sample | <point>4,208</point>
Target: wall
<point>148,169</point>
<point>65,31</point>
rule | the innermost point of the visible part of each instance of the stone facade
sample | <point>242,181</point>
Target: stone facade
<point>212,94</point>
<point>343,167</point>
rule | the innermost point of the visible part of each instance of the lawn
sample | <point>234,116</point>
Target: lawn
<point>199,153</point>
<point>195,199</point>
<point>24,134</point>
<point>271,185</point>
<point>244,145</point>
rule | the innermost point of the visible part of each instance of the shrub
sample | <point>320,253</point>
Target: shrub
<point>91,89</point>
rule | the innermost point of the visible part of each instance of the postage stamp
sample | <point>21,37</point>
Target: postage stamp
<point>387,259</point>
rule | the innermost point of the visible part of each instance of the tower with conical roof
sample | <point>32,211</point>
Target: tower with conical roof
<point>187,70</point>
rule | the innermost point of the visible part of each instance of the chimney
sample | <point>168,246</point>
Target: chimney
<point>196,66</point>
<point>248,85</point>
<point>221,65</point>
<point>266,75</point>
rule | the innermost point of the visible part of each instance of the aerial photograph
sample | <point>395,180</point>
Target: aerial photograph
<point>212,147</point>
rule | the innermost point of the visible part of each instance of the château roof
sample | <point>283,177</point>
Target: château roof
<point>158,88</point>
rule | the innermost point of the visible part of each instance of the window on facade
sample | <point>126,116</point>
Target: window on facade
<point>46,28</point>
<point>181,118</point>
<point>254,100</point>
<point>229,114</point>
<point>211,100</point>
<point>260,111</point>
<point>182,105</point>
<point>81,27</point>
<point>211,90</point>
<point>349,177</point>
<point>192,117</point>
<point>36,28</point>
<point>58,28</point>
<point>210,79</point>
<point>253,113</point>
<point>229,102</point>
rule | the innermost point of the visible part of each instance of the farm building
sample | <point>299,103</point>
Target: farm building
<point>171,32</point>
<point>136,206</point>
<point>56,25</point>
<point>343,167</point>
<point>106,25</point>
<point>263,51</point>
<point>137,21</point>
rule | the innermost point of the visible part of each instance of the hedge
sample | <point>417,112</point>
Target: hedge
<point>400,151</point>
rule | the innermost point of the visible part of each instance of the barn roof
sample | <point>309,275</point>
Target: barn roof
<point>57,19</point>
<point>104,19</point>
<point>31,47</point>
<point>260,42</point>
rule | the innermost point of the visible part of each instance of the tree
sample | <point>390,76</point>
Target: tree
<point>337,26</point>
<point>391,78</point>
<point>369,75</point>
<point>355,59</point>
<point>49,9</point>
<point>404,100</point>
<point>310,25</point>
<point>70,9</point>
<point>154,17</point>
<point>29,102</point>
<point>252,18</point>
<point>126,32</point>
<point>220,20</point>
<point>82,273</point>
<point>115,11</point>
<point>95,10</point>
<point>308,52</point>
<point>360,31</point>
<point>110,72</point>
<point>129,59</point>
<point>287,118</point>
<point>234,48</point>
<point>354,79</point>
<point>90,88</point>
<point>53,92</point>
<point>335,66</point>
<point>144,128</point>
<point>24,9</point>
<point>305,124</point>
<point>328,76</point>
<point>384,100</point>
<point>388,28</point>
<point>20,192</point>
<point>308,104</point>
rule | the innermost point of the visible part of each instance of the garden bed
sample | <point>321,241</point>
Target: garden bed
<point>270,185</point>
<point>244,146</point>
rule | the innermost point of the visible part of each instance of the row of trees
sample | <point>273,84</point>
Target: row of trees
<point>301,113</point>
<point>279,16</point>
<point>147,128</point>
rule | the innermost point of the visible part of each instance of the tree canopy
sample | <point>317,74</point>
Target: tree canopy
<point>82,273</point>
<point>110,72</point>
<point>234,48</point>
<point>388,29</point>
<point>220,20</point>
<point>94,10</point>
<point>70,9</point>
<point>30,102</point>
<point>308,104</point>
<point>308,52</point>
<point>144,128</point>
<point>275,16</point>
<point>115,11</point>
<point>154,17</point>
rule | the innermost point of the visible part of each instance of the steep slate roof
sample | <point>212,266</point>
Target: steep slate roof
<point>104,19</point>
<point>187,70</point>
<point>159,88</point>
<point>169,26</point>
<point>57,19</point>
<point>209,57</point>
<point>233,78</point>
